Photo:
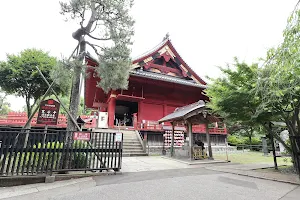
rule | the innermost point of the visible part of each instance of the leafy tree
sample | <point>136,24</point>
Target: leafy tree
<point>235,98</point>
<point>279,79</point>
<point>109,23</point>
<point>232,97</point>
<point>66,101</point>
<point>19,76</point>
<point>4,105</point>
<point>5,109</point>
<point>2,98</point>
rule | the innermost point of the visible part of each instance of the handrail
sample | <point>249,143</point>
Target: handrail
<point>141,139</point>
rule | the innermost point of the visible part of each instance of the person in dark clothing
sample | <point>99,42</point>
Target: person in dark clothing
<point>200,144</point>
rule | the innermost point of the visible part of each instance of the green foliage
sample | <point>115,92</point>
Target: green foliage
<point>5,109</point>
<point>279,79</point>
<point>234,140</point>
<point>113,26</point>
<point>4,105</point>
<point>232,96</point>
<point>240,140</point>
<point>19,76</point>
<point>62,74</point>
<point>66,101</point>
<point>114,68</point>
<point>254,141</point>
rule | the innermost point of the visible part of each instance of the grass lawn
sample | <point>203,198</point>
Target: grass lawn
<point>251,157</point>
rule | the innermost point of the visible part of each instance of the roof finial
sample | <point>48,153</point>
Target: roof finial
<point>166,37</point>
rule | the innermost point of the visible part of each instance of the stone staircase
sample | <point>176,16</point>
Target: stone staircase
<point>131,143</point>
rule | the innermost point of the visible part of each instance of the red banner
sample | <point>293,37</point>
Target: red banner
<point>86,136</point>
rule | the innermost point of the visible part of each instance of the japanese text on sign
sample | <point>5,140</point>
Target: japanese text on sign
<point>118,137</point>
<point>48,112</point>
<point>86,136</point>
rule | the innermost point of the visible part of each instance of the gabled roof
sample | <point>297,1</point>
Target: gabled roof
<point>189,111</point>
<point>163,47</point>
<point>162,77</point>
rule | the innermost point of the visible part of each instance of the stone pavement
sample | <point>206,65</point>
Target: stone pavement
<point>15,191</point>
<point>172,184</point>
<point>156,167</point>
<point>249,170</point>
<point>149,163</point>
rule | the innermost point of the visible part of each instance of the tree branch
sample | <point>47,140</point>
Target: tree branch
<point>93,46</point>
<point>103,39</point>
<point>73,52</point>
<point>82,16</point>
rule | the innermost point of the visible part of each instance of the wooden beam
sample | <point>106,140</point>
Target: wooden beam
<point>191,139</point>
<point>210,155</point>
<point>193,113</point>
<point>172,140</point>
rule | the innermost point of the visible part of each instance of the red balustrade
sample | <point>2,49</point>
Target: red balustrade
<point>20,119</point>
<point>155,126</point>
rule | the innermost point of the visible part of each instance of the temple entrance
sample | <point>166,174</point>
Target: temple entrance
<point>124,113</point>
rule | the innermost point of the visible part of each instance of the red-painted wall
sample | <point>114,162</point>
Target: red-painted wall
<point>163,98</point>
<point>160,98</point>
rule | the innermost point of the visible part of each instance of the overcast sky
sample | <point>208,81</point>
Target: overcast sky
<point>206,34</point>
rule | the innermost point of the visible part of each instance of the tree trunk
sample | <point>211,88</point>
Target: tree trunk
<point>74,99</point>
<point>75,96</point>
<point>28,106</point>
<point>250,141</point>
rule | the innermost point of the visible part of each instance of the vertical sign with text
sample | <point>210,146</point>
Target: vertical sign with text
<point>48,112</point>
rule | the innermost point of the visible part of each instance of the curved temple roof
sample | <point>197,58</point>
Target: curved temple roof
<point>187,112</point>
<point>166,47</point>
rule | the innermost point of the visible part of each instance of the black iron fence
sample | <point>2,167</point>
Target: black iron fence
<point>38,151</point>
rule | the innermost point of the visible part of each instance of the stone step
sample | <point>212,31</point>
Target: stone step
<point>131,142</point>
<point>134,154</point>
<point>131,145</point>
<point>133,149</point>
<point>130,138</point>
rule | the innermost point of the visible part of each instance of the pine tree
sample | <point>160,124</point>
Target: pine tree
<point>106,27</point>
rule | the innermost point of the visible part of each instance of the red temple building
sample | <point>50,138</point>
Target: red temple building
<point>160,81</point>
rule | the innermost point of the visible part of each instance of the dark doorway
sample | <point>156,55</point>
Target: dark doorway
<point>124,112</point>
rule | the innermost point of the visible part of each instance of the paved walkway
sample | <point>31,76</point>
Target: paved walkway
<point>156,164</point>
<point>149,163</point>
<point>249,170</point>
<point>172,184</point>
<point>15,191</point>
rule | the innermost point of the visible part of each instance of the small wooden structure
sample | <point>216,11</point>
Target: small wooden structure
<point>193,114</point>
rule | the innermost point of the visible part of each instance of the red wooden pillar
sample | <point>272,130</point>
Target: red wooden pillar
<point>135,121</point>
<point>111,111</point>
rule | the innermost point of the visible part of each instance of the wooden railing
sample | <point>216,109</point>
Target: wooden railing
<point>155,126</point>
<point>20,119</point>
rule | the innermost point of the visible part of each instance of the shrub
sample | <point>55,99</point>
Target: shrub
<point>254,141</point>
<point>234,140</point>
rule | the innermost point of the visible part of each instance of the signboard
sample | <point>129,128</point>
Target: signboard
<point>48,112</point>
<point>118,137</point>
<point>86,136</point>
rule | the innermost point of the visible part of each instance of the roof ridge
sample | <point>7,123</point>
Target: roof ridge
<point>165,40</point>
